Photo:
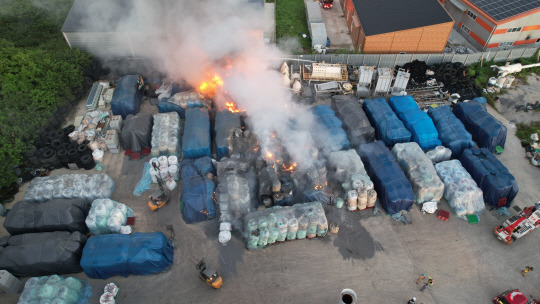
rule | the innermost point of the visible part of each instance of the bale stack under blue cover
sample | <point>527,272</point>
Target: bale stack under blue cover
<point>417,121</point>
<point>452,132</point>
<point>355,121</point>
<point>499,186</point>
<point>334,137</point>
<point>487,131</point>
<point>196,142</point>
<point>105,256</point>
<point>394,190</point>
<point>197,200</point>
<point>127,96</point>
<point>226,123</point>
<point>387,125</point>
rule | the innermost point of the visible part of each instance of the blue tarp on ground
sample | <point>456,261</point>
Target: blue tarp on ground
<point>127,96</point>
<point>336,138</point>
<point>393,189</point>
<point>452,132</point>
<point>355,121</point>
<point>487,131</point>
<point>387,125</point>
<point>417,121</point>
<point>165,107</point>
<point>196,141</point>
<point>197,198</point>
<point>491,176</point>
<point>226,123</point>
<point>108,255</point>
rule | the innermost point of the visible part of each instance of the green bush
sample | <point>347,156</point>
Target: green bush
<point>38,73</point>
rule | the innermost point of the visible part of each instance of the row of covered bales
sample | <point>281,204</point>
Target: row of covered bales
<point>403,156</point>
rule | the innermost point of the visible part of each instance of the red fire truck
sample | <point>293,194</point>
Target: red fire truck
<point>327,4</point>
<point>519,225</point>
<point>513,296</point>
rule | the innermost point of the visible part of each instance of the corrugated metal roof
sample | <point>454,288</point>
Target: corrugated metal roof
<point>386,16</point>
<point>502,9</point>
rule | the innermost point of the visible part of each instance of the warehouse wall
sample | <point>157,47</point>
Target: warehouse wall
<point>529,33</point>
<point>429,39</point>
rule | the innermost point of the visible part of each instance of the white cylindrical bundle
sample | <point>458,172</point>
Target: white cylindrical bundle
<point>153,174</point>
<point>173,160</point>
<point>163,161</point>
<point>164,172</point>
<point>362,198</point>
<point>98,155</point>
<point>173,172</point>
<point>352,200</point>
<point>371,198</point>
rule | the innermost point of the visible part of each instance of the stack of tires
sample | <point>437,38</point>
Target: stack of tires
<point>456,79</point>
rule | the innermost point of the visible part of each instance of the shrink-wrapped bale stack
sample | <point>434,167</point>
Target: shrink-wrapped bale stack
<point>355,121</point>
<point>107,216</point>
<point>452,132</point>
<point>387,125</point>
<point>166,134</point>
<point>56,289</point>
<point>70,186</point>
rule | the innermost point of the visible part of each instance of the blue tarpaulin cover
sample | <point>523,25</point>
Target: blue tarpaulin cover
<point>226,122</point>
<point>108,255</point>
<point>196,141</point>
<point>491,176</point>
<point>388,127</point>
<point>336,138</point>
<point>417,121</point>
<point>197,190</point>
<point>487,131</point>
<point>355,121</point>
<point>165,107</point>
<point>452,132</point>
<point>394,190</point>
<point>127,96</point>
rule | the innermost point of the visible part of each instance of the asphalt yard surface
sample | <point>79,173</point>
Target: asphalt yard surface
<point>377,257</point>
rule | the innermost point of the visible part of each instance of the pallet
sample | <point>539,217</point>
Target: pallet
<point>443,215</point>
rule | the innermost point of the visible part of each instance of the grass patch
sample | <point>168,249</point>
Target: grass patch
<point>524,131</point>
<point>291,22</point>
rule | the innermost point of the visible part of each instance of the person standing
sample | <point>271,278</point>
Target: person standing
<point>420,278</point>
<point>412,301</point>
<point>527,269</point>
<point>428,283</point>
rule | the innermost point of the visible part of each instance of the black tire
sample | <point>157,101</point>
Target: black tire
<point>84,150</point>
<point>47,157</point>
<point>69,129</point>
<point>72,146</point>
<point>52,136</point>
<point>30,153</point>
<point>56,143</point>
<point>87,162</point>
<point>73,155</point>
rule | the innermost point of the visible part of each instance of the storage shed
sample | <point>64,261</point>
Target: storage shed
<point>396,26</point>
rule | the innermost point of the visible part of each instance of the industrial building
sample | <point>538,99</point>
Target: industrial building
<point>396,26</point>
<point>492,24</point>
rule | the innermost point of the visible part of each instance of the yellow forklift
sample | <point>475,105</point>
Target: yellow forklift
<point>209,275</point>
<point>158,198</point>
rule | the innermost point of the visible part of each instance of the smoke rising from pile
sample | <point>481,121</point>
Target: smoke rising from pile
<point>189,41</point>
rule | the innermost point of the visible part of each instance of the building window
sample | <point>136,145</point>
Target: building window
<point>509,43</point>
<point>471,14</point>
<point>466,29</point>
<point>514,29</point>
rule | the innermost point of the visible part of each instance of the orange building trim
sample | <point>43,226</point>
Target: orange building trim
<point>477,38</point>
<point>489,18</point>
<point>500,31</point>
<point>528,41</point>
<point>531,28</point>
<point>492,45</point>
<point>484,24</point>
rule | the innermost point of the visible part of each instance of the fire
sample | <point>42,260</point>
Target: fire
<point>269,155</point>
<point>318,187</point>
<point>289,168</point>
<point>209,87</point>
<point>231,106</point>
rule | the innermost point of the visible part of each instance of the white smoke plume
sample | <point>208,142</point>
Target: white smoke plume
<point>189,41</point>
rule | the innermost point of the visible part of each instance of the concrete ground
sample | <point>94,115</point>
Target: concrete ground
<point>521,94</point>
<point>336,28</point>
<point>375,256</point>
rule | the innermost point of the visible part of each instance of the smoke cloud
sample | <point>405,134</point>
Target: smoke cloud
<point>190,41</point>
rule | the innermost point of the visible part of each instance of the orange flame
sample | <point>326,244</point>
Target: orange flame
<point>209,87</point>
<point>318,187</point>
<point>269,155</point>
<point>231,106</point>
<point>289,168</point>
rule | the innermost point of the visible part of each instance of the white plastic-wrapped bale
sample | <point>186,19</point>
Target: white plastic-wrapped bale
<point>439,154</point>
<point>277,224</point>
<point>427,186</point>
<point>107,216</point>
<point>348,170</point>
<point>166,134</point>
<point>55,289</point>
<point>460,190</point>
<point>90,187</point>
